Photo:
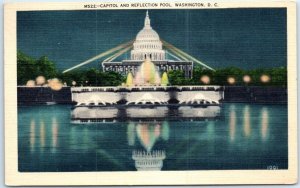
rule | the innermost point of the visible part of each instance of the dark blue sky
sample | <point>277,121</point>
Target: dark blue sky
<point>245,38</point>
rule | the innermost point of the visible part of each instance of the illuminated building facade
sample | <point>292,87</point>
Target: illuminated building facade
<point>148,45</point>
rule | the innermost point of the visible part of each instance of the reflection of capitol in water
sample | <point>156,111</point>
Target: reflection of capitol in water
<point>158,113</point>
<point>148,157</point>
<point>145,144</point>
<point>146,161</point>
<point>152,127</point>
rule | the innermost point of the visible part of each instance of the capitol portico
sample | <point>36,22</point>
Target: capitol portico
<point>148,45</point>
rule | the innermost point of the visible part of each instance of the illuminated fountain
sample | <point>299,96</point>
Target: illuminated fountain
<point>199,99</point>
<point>111,113</point>
<point>147,75</point>
<point>146,71</point>
<point>147,98</point>
<point>164,79</point>
<point>129,80</point>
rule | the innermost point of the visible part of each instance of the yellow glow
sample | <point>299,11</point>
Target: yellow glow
<point>164,79</point>
<point>55,84</point>
<point>231,80</point>
<point>30,83</point>
<point>40,80</point>
<point>232,123</point>
<point>54,132</point>
<point>265,78</point>
<point>205,79</point>
<point>32,135</point>
<point>247,124</point>
<point>42,135</point>
<point>129,80</point>
<point>247,79</point>
<point>264,123</point>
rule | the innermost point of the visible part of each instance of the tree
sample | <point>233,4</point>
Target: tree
<point>176,77</point>
<point>45,67</point>
<point>29,68</point>
<point>25,68</point>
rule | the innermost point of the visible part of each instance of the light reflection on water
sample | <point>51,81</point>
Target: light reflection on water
<point>247,124</point>
<point>54,133</point>
<point>32,135</point>
<point>232,122</point>
<point>239,139</point>
<point>264,123</point>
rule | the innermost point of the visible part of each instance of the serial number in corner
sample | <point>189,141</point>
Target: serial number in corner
<point>106,5</point>
<point>272,167</point>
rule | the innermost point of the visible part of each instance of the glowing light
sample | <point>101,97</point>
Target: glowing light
<point>265,78</point>
<point>205,79</point>
<point>247,79</point>
<point>184,55</point>
<point>264,123</point>
<point>157,130</point>
<point>55,84</point>
<point>73,83</point>
<point>231,80</point>
<point>247,125</point>
<point>144,136</point>
<point>157,80</point>
<point>147,74</point>
<point>124,45</point>
<point>40,80</point>
<point>54,132</point>
<point>30,83</point>
<point>32,135</point>
<point>131,134</point>
<point>114,56</point>
<point>148,135</point>
<point>129,80</point>
<point>164,79</point>
<point>42,135</point>
<point>232,123</point>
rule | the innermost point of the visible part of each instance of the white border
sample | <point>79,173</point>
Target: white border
<point>13,177</point>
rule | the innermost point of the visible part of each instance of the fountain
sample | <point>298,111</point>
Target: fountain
<point>164,79</point>
<point>135,113</point>
<point>147,75</point>
<point>147,83</point>
<point>129,80</point>
<point>146,87</point>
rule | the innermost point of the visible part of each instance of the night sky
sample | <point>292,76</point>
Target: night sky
<point>245,38</point>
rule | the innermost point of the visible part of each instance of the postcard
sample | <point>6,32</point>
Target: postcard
<point>150,93</point>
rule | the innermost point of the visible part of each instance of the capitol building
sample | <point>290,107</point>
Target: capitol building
<point>148,45</point>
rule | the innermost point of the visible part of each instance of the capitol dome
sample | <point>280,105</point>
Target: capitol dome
<point>147,35</point>
<point>147,44</point>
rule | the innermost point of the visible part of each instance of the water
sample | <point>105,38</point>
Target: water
<point>242,136</point>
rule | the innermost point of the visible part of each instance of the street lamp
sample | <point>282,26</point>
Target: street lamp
<point>205,79</point>
<point>265,78</point>
<point>247,79</point>
<point>231,80</point>
<point>40,80</point>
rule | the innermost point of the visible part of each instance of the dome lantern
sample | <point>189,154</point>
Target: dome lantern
<point>147,21</point>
